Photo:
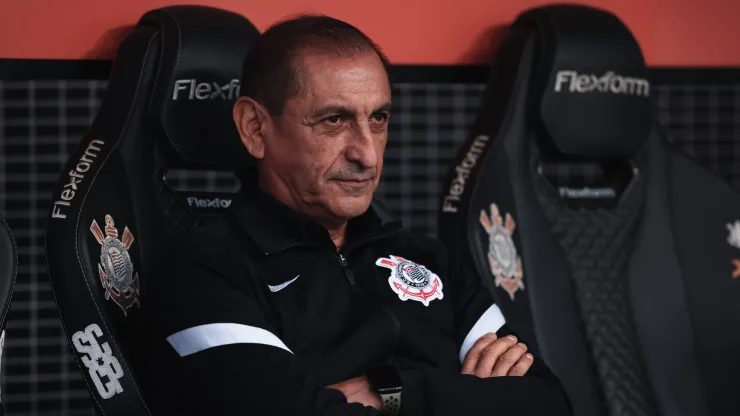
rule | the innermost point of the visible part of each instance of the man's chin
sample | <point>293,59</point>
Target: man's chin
<point>349,207</point>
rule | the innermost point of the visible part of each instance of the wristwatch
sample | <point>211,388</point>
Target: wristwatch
<point>386,381</point>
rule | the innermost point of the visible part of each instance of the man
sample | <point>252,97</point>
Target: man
<point>303,300</point>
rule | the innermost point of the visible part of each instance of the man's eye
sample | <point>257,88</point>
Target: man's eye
<point>335,119</point>
<point>380,117</point>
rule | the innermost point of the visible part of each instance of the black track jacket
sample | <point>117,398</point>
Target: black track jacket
<point>260,312</point>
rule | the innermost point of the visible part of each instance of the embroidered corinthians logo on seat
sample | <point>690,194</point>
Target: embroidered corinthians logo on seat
<point>117,274</point>
<point>412,281</point>
<point>734,240</point>
<point>505,264</point>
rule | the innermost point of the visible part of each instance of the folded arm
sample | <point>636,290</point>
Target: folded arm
<point>223,358</point>
<point>490,380</point>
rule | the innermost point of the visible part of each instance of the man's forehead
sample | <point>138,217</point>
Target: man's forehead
<point>355,83</point>
<point>331,76</point>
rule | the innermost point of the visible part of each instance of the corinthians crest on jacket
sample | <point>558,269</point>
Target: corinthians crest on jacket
<point>116,270</point>
<point>506,265</point>
<point>411,281</point>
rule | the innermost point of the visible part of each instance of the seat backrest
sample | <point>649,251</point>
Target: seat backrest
<point>8,270</point>
<point>116,208</point>
<point>596,237</point>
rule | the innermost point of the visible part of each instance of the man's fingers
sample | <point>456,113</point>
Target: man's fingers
<point>522,366</point>
<point>491,355</point>
<point>348,387</point>
<point>358,390</point>
<point>472,357</point>
<point>508,359</point>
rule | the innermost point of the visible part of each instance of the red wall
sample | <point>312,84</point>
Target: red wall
<point>671,32</point>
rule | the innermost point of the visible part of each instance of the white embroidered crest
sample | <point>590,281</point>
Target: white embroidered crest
<point>116,269</point>
<point>103,367</point>
<point>412,281</point>
<point>505,263</point>
<point>734,240</point>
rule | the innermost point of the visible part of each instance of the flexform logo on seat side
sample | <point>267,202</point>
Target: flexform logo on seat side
<point>610,82</point>
<point>462,172</point>
<point>76,176</point>
<point>587,192</point>
<point>191,89</point>
<point>208,202</point>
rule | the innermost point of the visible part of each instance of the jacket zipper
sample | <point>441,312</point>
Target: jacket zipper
<point>343,259</point>
<point>347,272</point>
<point>396,323</point>
<point>396,330</point>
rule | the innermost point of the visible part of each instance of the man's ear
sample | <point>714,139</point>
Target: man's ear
<point>252,122</point>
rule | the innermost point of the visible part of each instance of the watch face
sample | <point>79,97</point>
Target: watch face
<point>385,380</point>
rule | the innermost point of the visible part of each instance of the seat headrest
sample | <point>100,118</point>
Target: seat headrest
<point>197,81</point>
<point>590,82</point>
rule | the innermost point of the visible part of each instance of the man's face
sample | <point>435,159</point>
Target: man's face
<point>326,149</point>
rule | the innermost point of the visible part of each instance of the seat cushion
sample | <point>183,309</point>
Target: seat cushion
<point>598,244</point>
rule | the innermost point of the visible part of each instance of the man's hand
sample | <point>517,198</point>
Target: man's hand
<point>357,390</point>
<point>497,357</point>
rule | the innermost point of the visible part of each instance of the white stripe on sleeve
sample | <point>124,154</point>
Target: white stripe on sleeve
<point>199,338</point>
<point>490,321</point>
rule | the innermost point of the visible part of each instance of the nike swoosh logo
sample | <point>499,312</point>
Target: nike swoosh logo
<point>282,286</point>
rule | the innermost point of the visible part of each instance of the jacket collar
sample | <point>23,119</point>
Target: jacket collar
<point>274,226</point>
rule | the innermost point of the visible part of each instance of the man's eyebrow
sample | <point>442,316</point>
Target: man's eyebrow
<point>332,109</point>
<point>385,107</point>
<point>338,109</point>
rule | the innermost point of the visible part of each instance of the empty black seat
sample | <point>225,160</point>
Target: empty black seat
<point>610,251</point>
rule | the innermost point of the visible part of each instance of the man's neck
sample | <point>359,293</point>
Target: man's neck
<point>336,229</point>
<point>337,235</point>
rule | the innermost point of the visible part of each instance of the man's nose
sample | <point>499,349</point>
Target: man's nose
<point>361,149</point>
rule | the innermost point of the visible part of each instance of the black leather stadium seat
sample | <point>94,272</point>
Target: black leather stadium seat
<point>612,253</point>
<point>168,107</point>
<point>8,269</point>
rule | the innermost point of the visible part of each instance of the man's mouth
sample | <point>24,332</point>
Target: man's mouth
<point>355,180</point>
<point>354,183</point>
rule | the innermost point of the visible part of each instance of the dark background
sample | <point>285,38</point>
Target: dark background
<point>47,106</point>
